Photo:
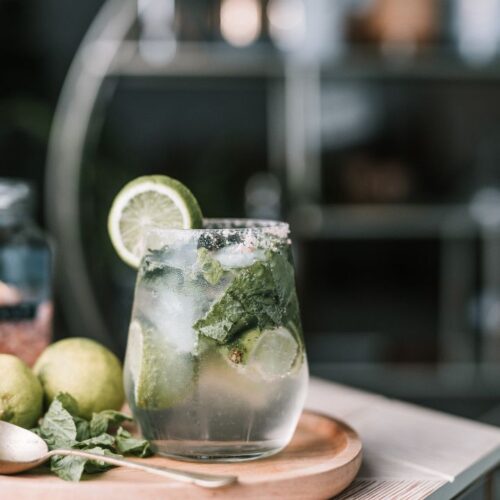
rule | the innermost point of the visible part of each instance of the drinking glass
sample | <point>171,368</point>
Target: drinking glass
<point>215,368</point>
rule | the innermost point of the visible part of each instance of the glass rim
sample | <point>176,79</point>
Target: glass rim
<point>221,232</point>
<point>229,224</point>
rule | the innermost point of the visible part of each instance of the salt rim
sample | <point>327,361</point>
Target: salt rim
<point>250,233</point>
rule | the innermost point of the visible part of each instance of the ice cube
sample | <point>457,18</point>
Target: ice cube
<point>172,307</point>
<point>161,376</point>
<point>235,256</point>
<point>179,254</point>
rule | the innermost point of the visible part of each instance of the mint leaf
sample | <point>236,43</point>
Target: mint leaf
<point>71,468</point>
<point>60,429</point>
<point>257,296</point>
<point>68,468</point>
<point>37,431</point>
<point>284,279</point>
<point>94,466</point>
<point>57,427</point>
<point>68,402</point>
<point>101,421</point>
<point>127,444</point>
<point>211,269</point>
<point>104,440</point>
<point>82,428</point>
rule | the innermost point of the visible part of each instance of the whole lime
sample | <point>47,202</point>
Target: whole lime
<point>21,395</point>
<point>85,369</point>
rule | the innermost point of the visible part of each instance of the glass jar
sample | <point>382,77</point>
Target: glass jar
<point>215,368</point>
<point>26,308</point>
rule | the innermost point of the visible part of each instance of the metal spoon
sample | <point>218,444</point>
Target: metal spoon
<point>21,450</point>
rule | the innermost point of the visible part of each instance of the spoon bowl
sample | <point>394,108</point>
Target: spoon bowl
<point>22,450</point>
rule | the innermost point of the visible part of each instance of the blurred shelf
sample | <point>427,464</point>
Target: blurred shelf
<point>382,221</point>
<point>218,59</point>
<point>434,63</point>
<point>197,60</point>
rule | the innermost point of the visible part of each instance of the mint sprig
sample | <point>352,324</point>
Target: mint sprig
<point>262,294</point>
<point>62,428</point>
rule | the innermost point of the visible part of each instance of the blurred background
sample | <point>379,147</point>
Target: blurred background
<point>373,126</point>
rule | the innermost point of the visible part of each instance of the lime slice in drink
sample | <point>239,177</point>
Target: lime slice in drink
<point>238,351</point>
<point>274,354</point>
<point>269,354</point>
<point>149,201</point>
<point>161,376</point>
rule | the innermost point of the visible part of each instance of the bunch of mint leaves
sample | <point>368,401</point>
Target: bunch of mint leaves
<point>103,434</point>
<point>262,294</point>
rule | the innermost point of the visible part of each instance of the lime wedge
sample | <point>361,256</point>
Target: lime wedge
<point>269,354</point>
<point>238,351</point>
<point>161,376</point>
<point>274,354</point>
<point>149,201</point>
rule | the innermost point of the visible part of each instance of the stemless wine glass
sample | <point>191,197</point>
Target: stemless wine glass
<point>215,368</point>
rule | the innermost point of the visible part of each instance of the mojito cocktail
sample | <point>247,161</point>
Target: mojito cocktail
<point>215,367</point>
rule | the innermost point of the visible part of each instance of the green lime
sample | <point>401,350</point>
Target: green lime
<point>149,201</point>
<point>269,354</point>
<point>21,395</point>
<point>239,350</point>
<point>85,369</point>
<point>161,376</point>
<point>274,354</point>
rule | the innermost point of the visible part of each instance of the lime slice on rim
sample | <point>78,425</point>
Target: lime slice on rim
<point>149,201</point>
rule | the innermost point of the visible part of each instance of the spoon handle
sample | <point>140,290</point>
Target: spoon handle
<point>197,478</point>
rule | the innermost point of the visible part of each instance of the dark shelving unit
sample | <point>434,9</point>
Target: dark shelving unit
<point>295,136</point>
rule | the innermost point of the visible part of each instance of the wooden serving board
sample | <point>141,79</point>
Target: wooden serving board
<point>320,462</point>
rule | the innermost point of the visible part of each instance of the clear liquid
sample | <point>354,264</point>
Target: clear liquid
<point>228,417</point>
<point>215,409</point>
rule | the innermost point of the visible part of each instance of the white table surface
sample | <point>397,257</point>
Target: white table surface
<point>409,452</point>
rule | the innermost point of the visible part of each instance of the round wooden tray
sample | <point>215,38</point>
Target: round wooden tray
<point>320,462</point>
